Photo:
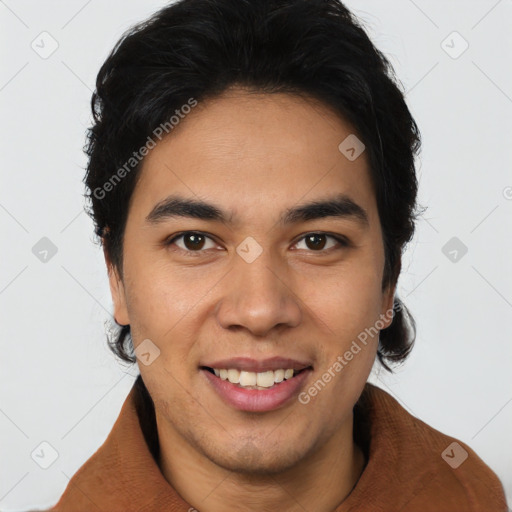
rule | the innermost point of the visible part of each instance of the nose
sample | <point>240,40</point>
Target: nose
<point>258,297</point>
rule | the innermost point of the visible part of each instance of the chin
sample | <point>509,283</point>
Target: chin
<point>249,460</point>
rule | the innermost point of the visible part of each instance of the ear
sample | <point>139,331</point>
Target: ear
<point>117,291</point>
<point>388,300</point>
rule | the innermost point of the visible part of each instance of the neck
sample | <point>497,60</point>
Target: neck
<point>320,481</point>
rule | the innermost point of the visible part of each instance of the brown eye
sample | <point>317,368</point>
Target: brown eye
<point>317,242</point>
<point>192,242</point>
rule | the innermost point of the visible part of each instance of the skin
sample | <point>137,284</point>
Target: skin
<point>294,300</point>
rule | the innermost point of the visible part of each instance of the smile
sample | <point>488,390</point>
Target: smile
<point>243,390</point>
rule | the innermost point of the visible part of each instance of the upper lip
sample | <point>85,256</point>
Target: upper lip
<point>264,365</point>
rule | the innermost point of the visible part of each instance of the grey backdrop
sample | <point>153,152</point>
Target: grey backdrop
<point>59,384</point>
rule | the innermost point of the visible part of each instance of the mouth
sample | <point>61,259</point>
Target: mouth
<point>255,380</point>
<point>256,392</point>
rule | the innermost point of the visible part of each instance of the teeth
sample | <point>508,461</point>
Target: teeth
<point>253,379</point>
<point>265,379</point>
<point>247,379</point>
<point>234,376</point>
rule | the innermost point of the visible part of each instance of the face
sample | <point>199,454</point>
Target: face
<point>256,283</point>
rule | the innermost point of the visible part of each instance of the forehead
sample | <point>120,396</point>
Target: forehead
<point>253,150</point>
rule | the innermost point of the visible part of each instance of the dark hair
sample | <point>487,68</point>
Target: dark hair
<point>199,48</point>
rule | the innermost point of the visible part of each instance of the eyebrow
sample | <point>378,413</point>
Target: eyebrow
<point>339,206</point>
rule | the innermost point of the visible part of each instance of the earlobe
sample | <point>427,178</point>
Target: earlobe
<point>118,293</point>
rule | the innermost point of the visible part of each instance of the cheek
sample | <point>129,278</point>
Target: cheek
<point>152,301</point>
<point>346,302</point>
<point>163,301</point>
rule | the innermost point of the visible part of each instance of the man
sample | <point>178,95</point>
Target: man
<point>251,176</point>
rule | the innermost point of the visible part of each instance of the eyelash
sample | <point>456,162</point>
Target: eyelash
<point>342,241</point>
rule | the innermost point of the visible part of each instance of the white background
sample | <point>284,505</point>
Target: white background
<point>59,382</point>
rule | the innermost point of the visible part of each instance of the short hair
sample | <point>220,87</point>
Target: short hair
<point>198,49</point>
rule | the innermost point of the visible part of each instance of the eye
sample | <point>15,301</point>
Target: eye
<point>191,241</point>
<point>317,242</point>
<point>196,242</point>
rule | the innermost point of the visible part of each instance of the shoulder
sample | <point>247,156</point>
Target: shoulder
<point>430,468</point>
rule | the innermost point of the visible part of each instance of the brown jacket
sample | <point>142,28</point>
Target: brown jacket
<point>411,466</point>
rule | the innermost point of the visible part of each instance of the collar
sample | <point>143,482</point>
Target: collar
<point>405,465</point>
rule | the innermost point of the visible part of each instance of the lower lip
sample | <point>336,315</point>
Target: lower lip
<point>257,400</point>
